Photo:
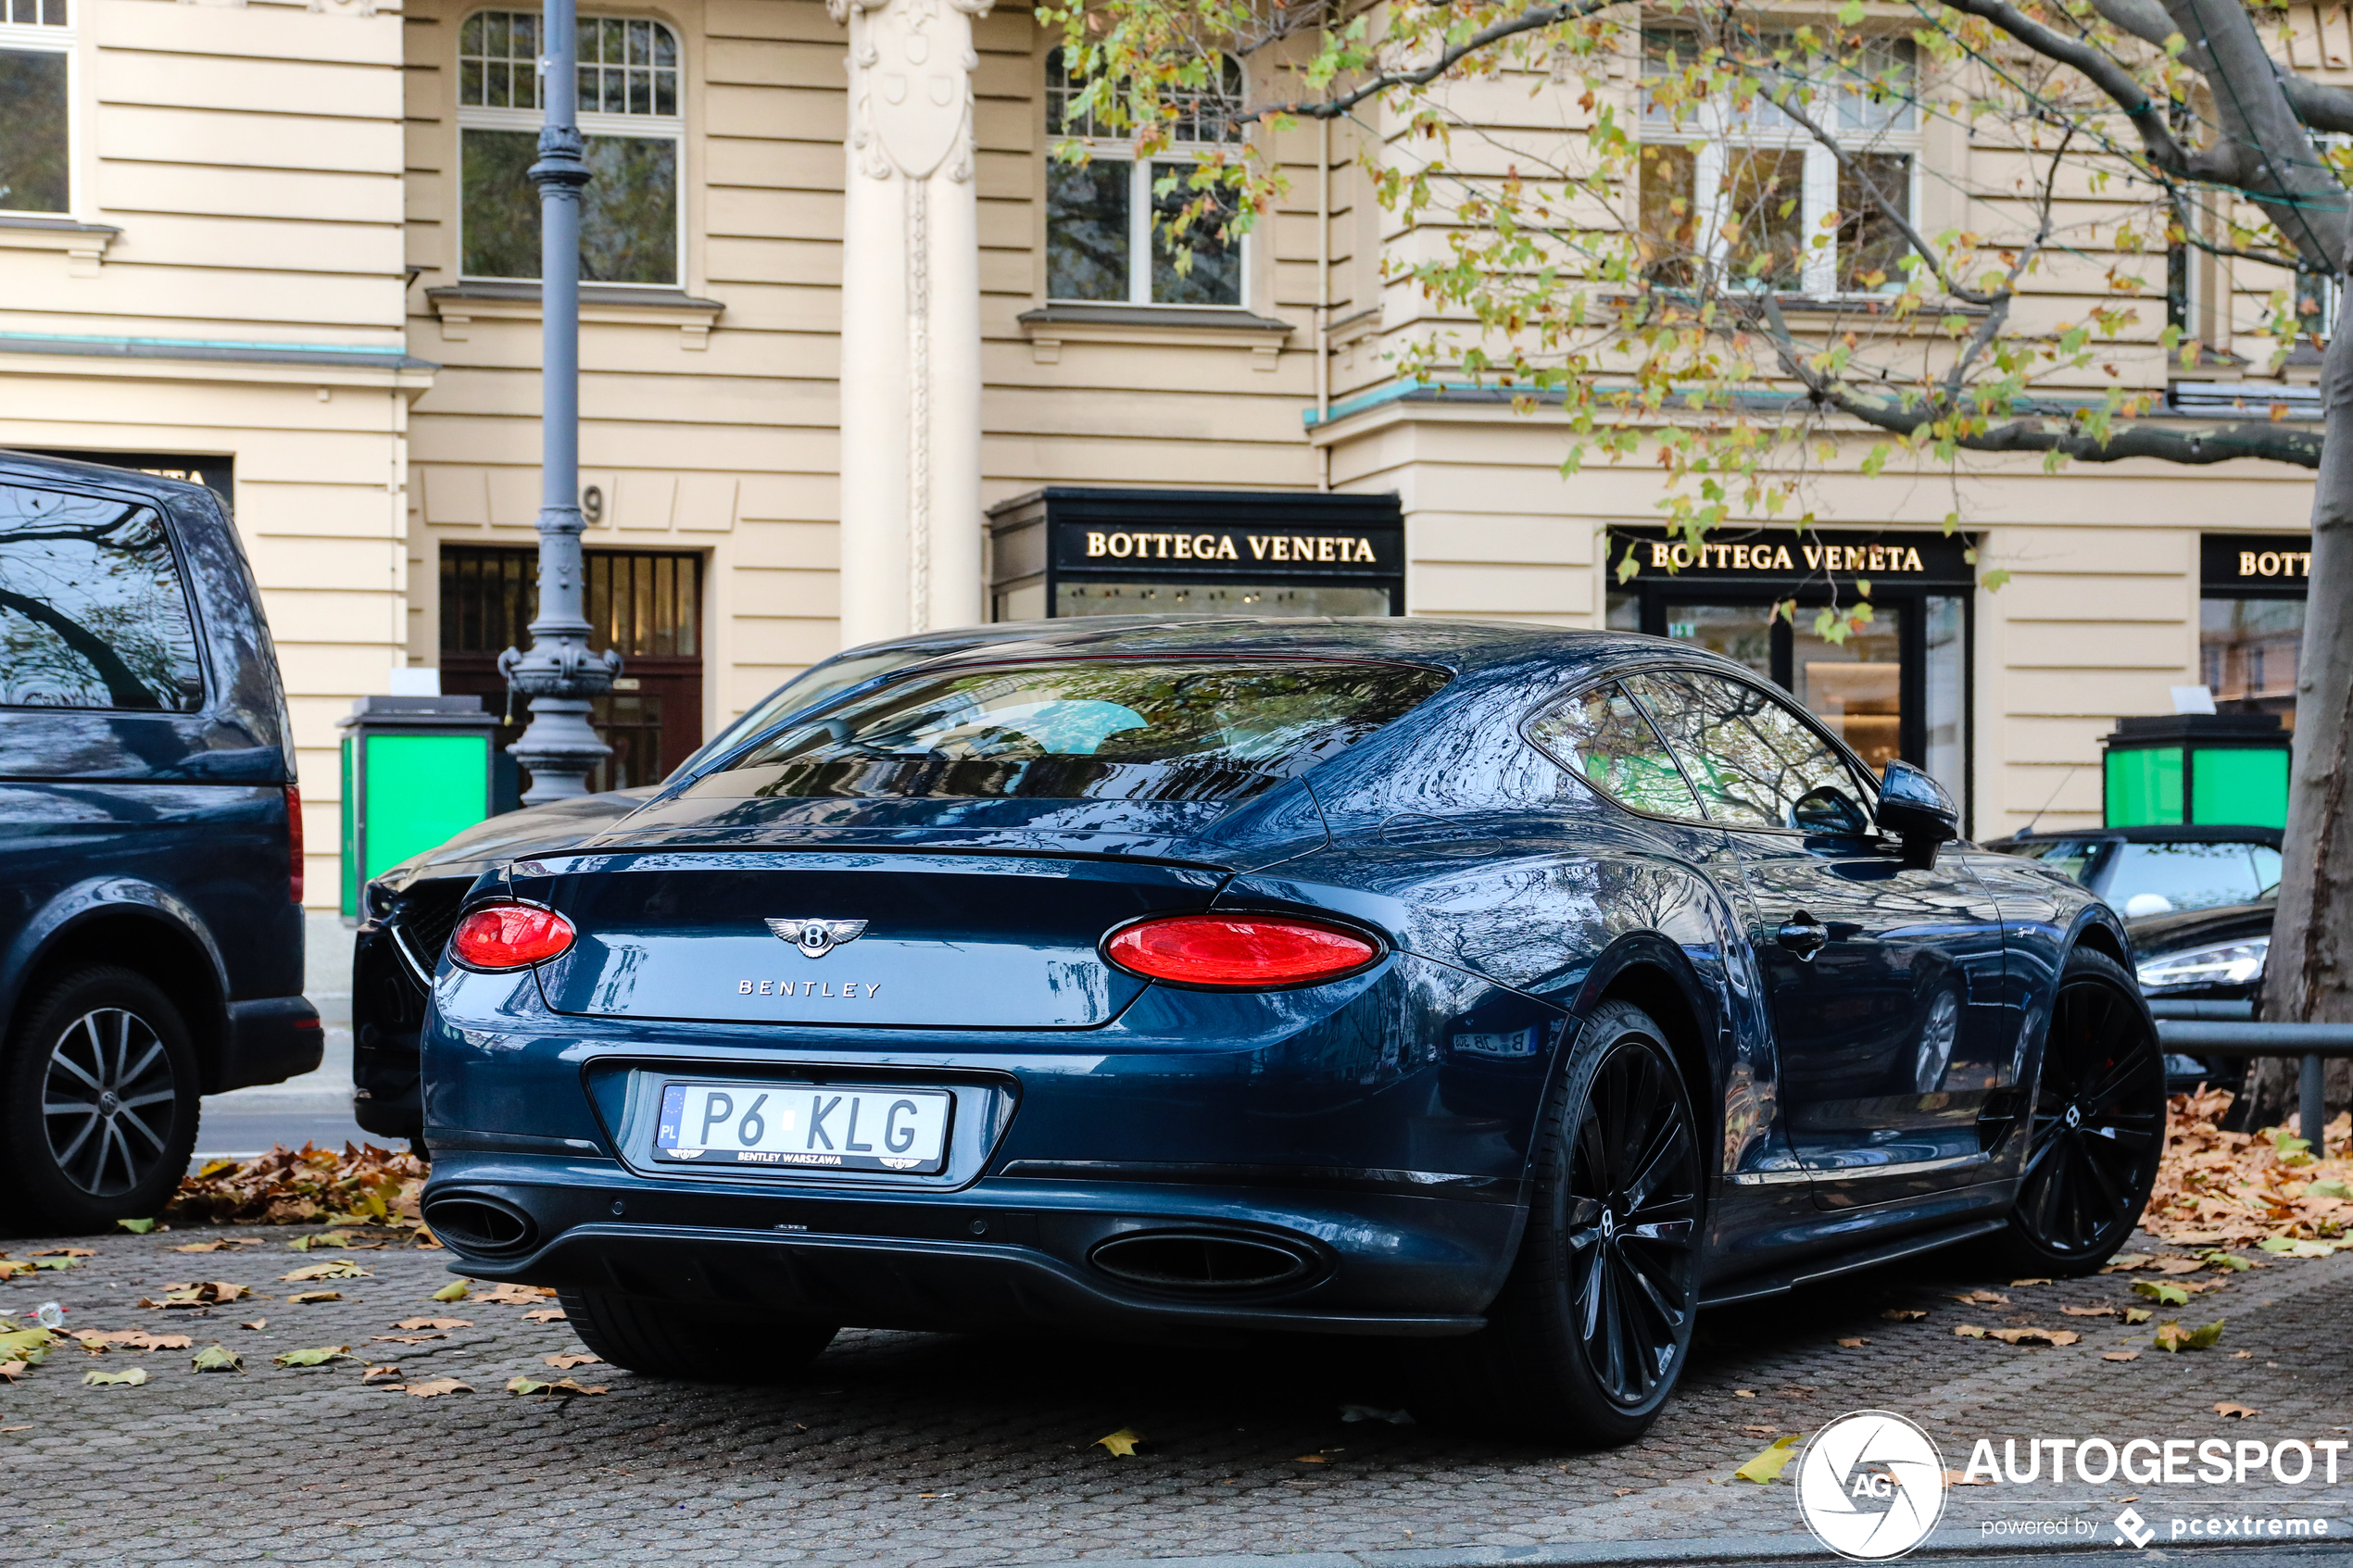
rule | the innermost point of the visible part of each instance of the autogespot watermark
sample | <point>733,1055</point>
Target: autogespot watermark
<point>1872,1484</point>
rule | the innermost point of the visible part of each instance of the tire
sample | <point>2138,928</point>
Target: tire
<point>1591,1333</point>
<point>661,1340</point>
<point>2096,1127</point>
<point>108,1039</point>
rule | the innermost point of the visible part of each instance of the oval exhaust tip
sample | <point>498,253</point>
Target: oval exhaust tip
<point>1201,1260</point>
<point>475,1223</point>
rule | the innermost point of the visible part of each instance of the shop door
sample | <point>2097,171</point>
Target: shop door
<point>645,603</point>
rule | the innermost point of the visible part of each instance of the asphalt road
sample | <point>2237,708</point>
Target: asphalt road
<point>316,1107</point>
<point>909,1451</point>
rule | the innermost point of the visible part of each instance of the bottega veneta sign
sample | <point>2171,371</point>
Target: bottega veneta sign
<point>1318,549</point>
<point>1787,556</point>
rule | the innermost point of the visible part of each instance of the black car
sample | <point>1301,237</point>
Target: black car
<point>408,911</point>
<point>2144,872</point>
<point>151,918</point>
<point>2213,957</point>
<point>1519,988</point>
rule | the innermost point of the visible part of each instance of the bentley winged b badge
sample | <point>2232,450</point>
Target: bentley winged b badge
<point>817,937</point>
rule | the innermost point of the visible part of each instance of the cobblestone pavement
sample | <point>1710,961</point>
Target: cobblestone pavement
<point>904,1449</point>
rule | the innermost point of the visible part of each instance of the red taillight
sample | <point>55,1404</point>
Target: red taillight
<point>509,936</point>
<point>1239,950</point>
<point>294,842</point>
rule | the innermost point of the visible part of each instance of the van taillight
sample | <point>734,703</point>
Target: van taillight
<point>294,842</point>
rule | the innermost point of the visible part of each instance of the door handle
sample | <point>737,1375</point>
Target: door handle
<point>1803,934</point>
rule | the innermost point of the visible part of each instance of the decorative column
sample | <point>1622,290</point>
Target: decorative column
<point>911,519</point>
<point>559,674</point>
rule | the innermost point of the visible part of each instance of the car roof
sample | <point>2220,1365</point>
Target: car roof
<point>1462,646</point>
<point>67,470</point>
<point>2195,833</point>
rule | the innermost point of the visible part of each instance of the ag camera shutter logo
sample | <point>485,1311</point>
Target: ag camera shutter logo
<point>1871,1485</point>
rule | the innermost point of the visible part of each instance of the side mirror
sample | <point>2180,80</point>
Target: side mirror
<point>1914,808</point>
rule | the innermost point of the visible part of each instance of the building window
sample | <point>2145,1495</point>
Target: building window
<point>631,118</point>
<point>1106,239</point>
<point>36,53</point>
<point>1743,187</point>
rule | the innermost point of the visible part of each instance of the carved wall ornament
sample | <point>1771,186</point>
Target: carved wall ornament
<point>911,65</point>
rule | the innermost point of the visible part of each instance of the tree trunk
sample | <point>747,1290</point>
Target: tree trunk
<point>2310,975</point>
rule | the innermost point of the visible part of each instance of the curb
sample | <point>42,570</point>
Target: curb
<point>1948,1545</point>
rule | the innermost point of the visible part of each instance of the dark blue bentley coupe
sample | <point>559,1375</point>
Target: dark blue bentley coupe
<point>1522,988</point>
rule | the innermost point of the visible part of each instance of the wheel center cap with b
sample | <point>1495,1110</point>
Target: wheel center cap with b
<point>109,1103</point>
<point>1609,1226</point>
<point>2074,1116</point>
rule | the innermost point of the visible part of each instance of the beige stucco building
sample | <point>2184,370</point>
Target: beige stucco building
<point>284,245</point>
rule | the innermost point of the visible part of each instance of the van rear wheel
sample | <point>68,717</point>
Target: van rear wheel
<point>98,1104</point>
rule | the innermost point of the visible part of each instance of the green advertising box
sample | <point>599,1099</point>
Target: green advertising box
<point>416,770</point>
<point>2210,769</point>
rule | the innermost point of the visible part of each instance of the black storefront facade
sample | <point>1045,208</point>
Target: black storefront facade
<point>1899,687</point>
<point>2251,595</point>
<point>1069,550</point>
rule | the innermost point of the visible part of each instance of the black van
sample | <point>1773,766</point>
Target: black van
<point>150,840</point>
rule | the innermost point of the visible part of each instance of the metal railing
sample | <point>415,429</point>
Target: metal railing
<point>2228,1028</point>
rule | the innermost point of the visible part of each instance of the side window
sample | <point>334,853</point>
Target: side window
<point>1601,737</point>
<point>92,610</point>
<point>1754,762</point>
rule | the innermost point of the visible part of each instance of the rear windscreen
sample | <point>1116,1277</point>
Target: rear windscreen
<point>1103,728</point>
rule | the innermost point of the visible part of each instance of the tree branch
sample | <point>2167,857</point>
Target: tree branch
<point>1452,55</point>
<point>1886,210</point>
<point>2104,72</point>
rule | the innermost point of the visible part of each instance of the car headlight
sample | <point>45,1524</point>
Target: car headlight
<point>2231,963</point>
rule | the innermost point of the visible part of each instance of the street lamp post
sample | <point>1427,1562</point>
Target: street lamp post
<point>558,673</point>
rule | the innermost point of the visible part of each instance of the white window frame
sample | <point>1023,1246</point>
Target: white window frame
<point>1122,149</point>
<point>648,127</point>
<point>43,38</point>
<point>1716,129</point>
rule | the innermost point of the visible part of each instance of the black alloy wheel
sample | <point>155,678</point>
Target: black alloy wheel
<point>98,1103</point>
<point>1589,1336</point>
<point>2097,1126</point>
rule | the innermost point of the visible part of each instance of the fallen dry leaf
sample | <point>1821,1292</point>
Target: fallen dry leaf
<point>1121,1443</point>
<point>545,1314</point>
<point>11,1370</point>
<point>404,1338</point>
<point>561,1385</point>
<point>1960,1478</point>
<point>2179,1265</point>
<point>564,1360</point>
<point>435,1322</point>
<point>2089,1311</point>
<point>2137,1314</point>
<point>204,1292</point>
<point>2163,1295</point>
<point>434,1388</point>
<point>2125,1261</point>
<point>2230,1412</point>
<point>1744,1393</point>
<point>2219,1189</point>
<point>1852,1344</point>
<point>2174,1338</point>
<point>1969,1330</point>
<point>383,1374</point>
<point>2034,1336</point>
<point>320,1355</point>
<point>1767,1467</point>
<point>217,1357</point>
<point>333,1268</point>
<point>222,1246</point>
<point>257,1323</point>
<point>457,1290</point>
<point>2120,1355</point>
<point>132,1378</point>
<point>1983,1298</point>
<point>1309,1458</point>
<point>2022,1284</point>
<point>514,1295</point>
<point>132,1340</point>
<point>1904,1314</point>
<point>63,1252</point>
<point>1762,1431</point>
<point>300,1297</point>
<point>2242,1355</point>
